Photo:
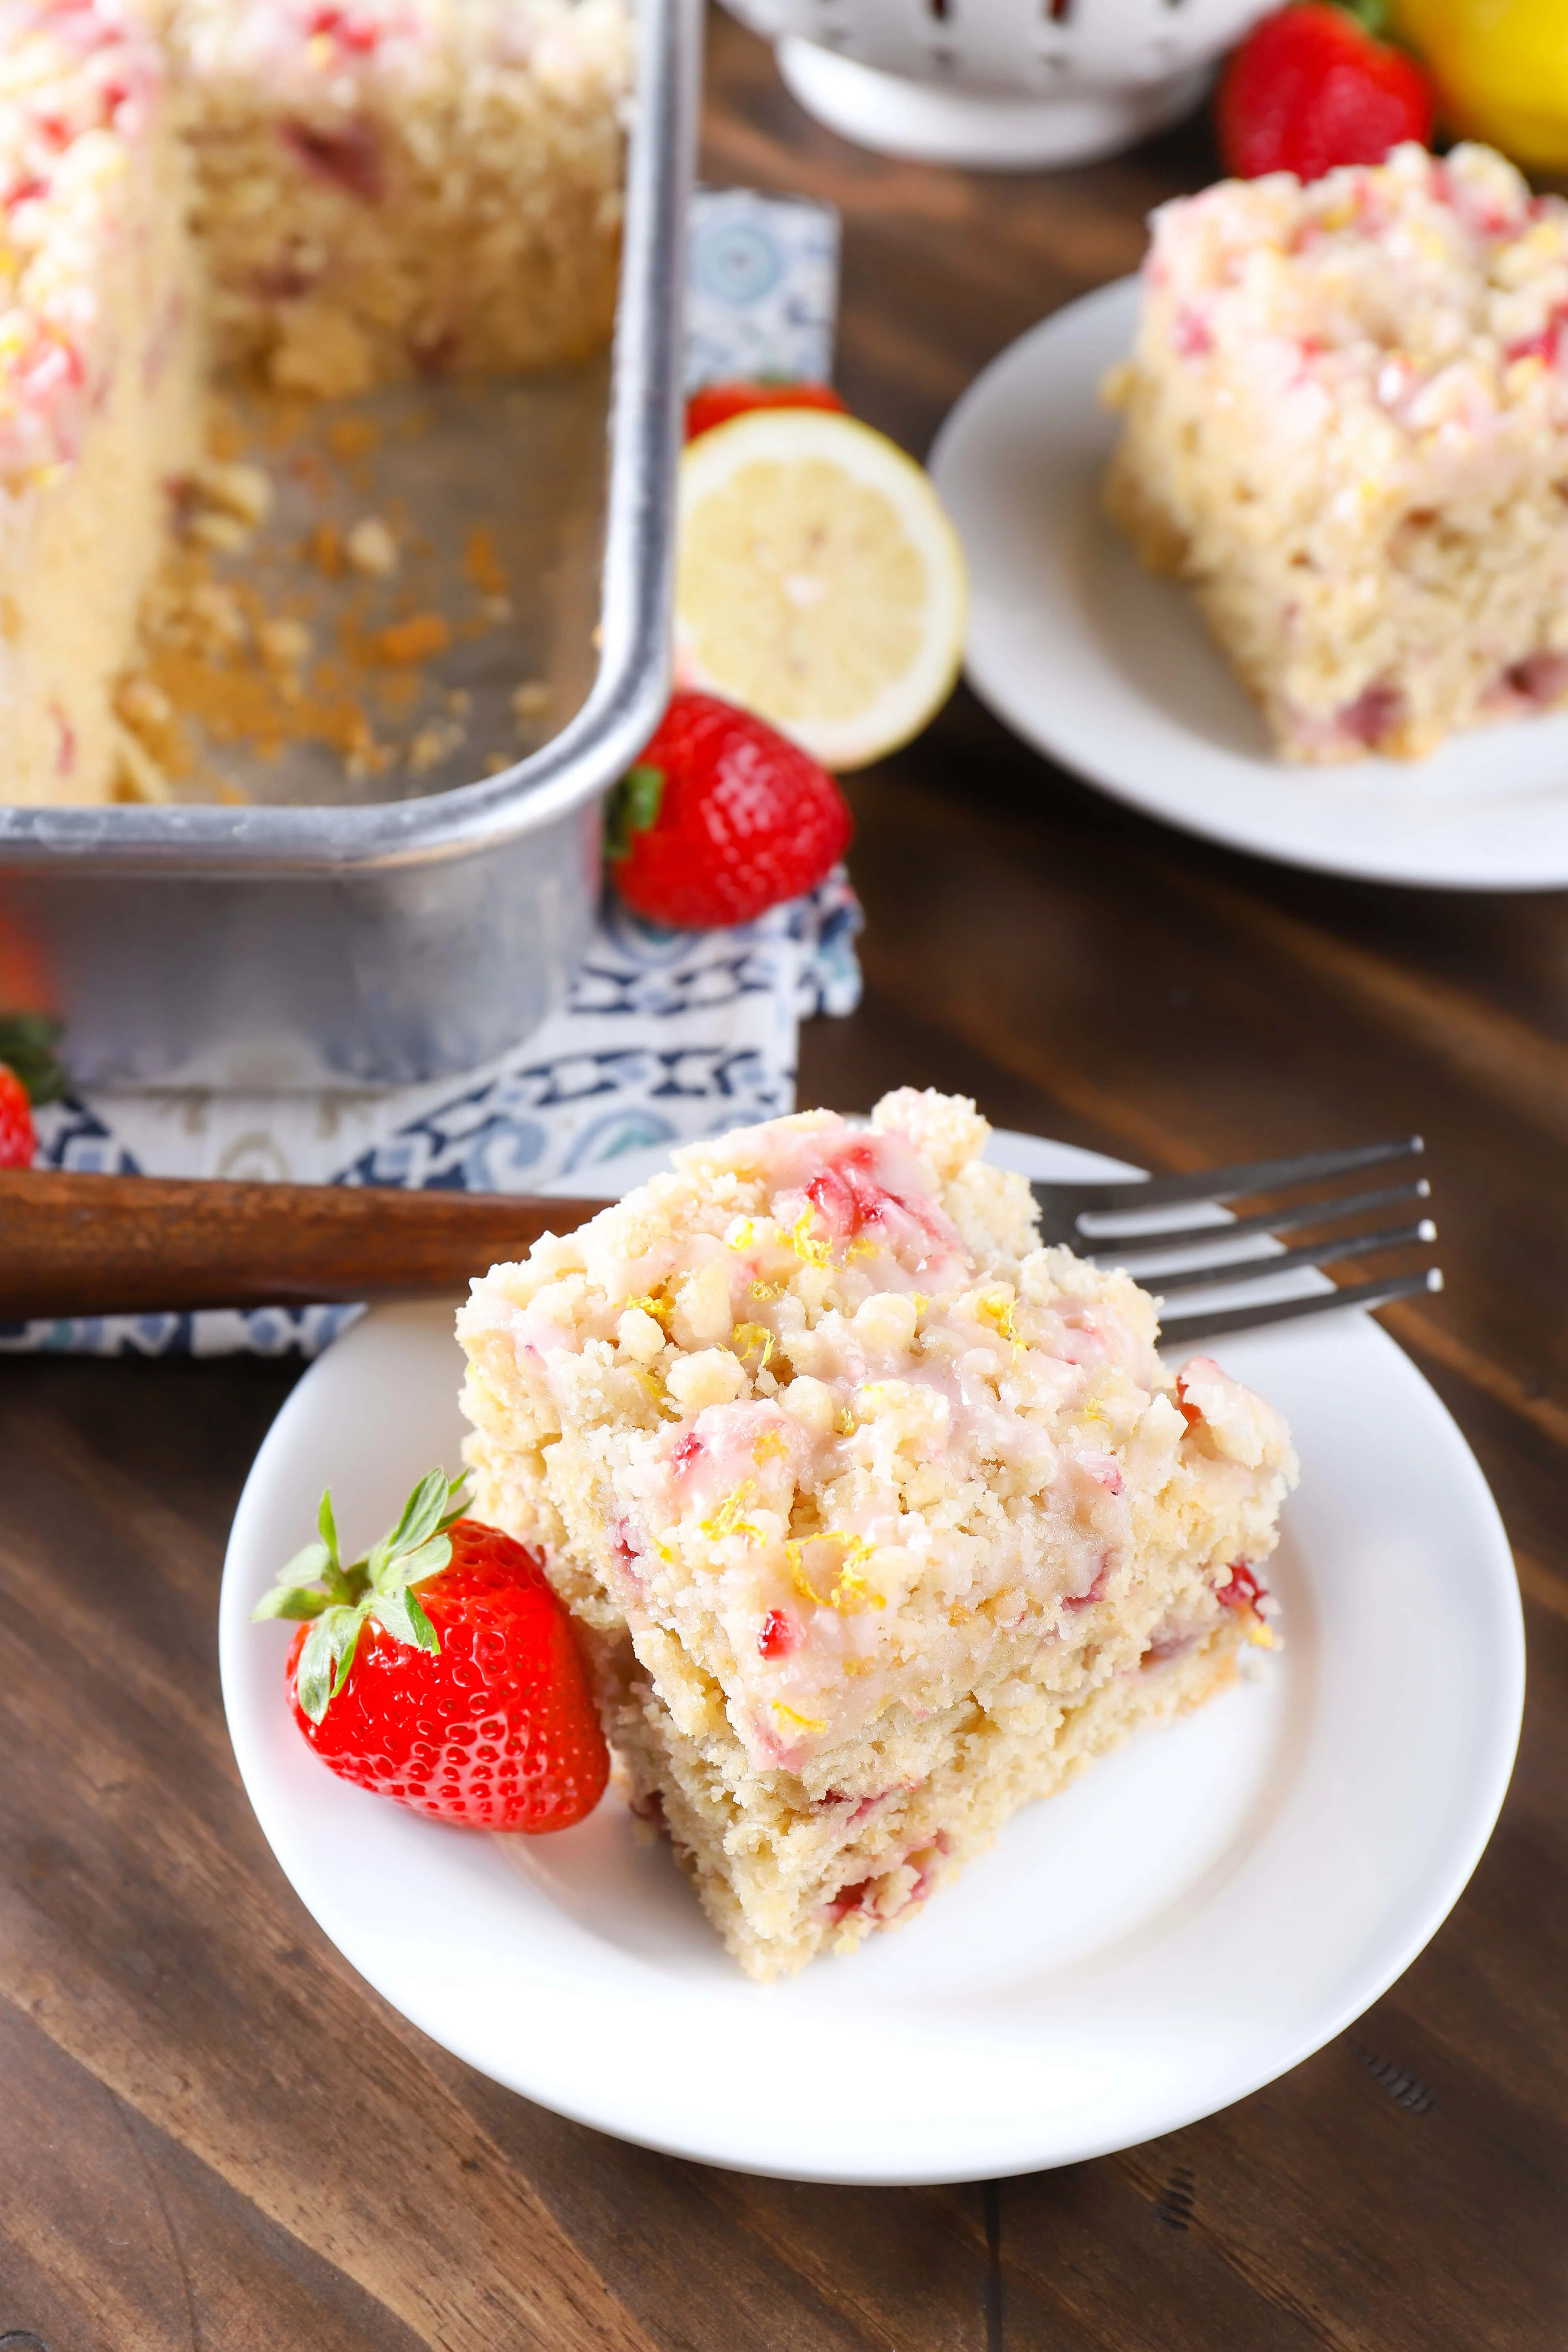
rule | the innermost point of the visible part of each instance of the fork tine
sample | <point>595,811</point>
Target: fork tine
<point>1209,1275</point>
<point>1268,1221</point>
<point>1182,1330</point>
<point>1226,1184</point>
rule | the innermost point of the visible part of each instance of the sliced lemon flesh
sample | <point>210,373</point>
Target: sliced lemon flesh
<point>818,581</point>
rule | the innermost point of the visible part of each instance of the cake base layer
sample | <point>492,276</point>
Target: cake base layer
<point>882,1864</point>
<point>1471,626</point>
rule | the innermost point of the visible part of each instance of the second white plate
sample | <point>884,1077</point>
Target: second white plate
<point>1108,669</point>
<point>1203,1910</point>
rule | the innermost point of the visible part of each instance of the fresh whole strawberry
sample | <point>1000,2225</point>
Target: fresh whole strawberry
<point>28,1075</point>
<point>716,404</point>
<point>1311,87</point>
<point>442,1670</point>
<point>722,818</point>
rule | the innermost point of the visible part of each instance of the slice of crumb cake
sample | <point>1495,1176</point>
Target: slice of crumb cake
<point>1346,424</point>
<point>880,1520</point>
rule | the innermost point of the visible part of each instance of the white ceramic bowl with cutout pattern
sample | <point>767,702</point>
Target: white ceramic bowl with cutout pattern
<point>1002,85</point>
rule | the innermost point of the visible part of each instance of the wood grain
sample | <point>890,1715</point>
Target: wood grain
<point>212,2134</point>
<point>92,1245</point>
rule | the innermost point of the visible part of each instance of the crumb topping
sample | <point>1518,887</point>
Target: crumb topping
<point>1412,313</point>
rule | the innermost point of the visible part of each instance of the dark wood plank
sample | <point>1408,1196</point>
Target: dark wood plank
<point>212,2134</point>
<point>115,2237</point>
<point>153,1949</point>
<point>146,1933</point>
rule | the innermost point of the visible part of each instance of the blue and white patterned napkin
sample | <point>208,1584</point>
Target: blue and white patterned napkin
<point>762,292</point>
<point>665,1036</point>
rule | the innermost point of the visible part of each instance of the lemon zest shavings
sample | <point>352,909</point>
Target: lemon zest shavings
<point>851,1590</point>
<point>856,1548</point>
<point>810,1251</point>
<point>728,1519</point>
<point>771,1446</point>
<point>659,1308</point>
<point>807,1722</point>
<point>749,1339</point>
<point>997,1309</point>
<point>794,1553</point>
<point>744,1236</point>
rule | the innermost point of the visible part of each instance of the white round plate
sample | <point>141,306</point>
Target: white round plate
<point>1107,667</point>
<point>1199,1913</point>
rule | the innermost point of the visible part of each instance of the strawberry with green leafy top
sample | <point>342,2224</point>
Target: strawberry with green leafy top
<point>28,1075</point>
<point>1315,86</point>
<point>721,818</point>
<point>441,1670</point>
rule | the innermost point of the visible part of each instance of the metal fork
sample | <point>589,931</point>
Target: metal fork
<point>1126,1222</point>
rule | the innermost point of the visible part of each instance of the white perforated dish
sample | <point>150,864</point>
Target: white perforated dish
<point>998,83</point>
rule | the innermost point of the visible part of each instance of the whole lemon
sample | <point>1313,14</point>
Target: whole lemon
<point>1501,71</point>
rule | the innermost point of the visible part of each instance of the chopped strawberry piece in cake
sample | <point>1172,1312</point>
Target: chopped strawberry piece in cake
<point>779,1635</point>
<point>1241,1590</point>
<point>351,156</point>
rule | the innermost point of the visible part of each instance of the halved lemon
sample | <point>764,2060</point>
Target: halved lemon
<point>818,581</point>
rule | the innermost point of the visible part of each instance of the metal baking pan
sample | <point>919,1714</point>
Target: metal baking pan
<point>289,942</point>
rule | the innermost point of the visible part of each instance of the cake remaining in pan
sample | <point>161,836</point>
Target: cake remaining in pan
<point>385,189</point>
<point>338,195</point>
<point>102,368</point>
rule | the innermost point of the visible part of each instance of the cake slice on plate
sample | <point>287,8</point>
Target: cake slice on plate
<point>878,1519</point>
<point>1346,424</point>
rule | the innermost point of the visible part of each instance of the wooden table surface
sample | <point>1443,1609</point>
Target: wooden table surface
<point>211,2135</point>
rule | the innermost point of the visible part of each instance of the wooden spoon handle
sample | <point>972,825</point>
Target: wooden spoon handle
<point>79,1245</point>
